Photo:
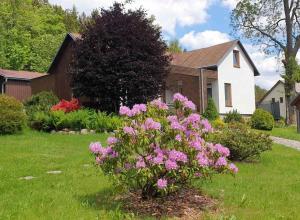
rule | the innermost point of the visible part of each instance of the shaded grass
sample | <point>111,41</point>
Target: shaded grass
<point>265,190</point>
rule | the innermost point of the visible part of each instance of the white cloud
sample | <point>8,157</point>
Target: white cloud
<point>230,3</point>
<point>168,13</point>
<point>193,40</point>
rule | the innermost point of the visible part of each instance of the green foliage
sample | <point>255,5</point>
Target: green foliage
<point>12,117</point>
<point>174,46</point>
<point>31,32</point>
<point>280,123</point>
<point>218,123</point>
<point>243,143</point>
<point>41,102</point>
<point>233,116</point>
<point>211,112</point>
<point>262,120</point>
<point>259,93</point>
<point>76,120</point>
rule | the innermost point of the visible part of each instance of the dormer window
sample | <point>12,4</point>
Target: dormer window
<point>236,58</point>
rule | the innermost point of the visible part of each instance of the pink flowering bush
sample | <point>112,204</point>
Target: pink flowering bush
<point>159,152</point>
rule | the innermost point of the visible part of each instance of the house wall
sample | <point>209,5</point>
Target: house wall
<point>45,83</point>
<point>276,93</point>
<point>242,84</point>
<point>21,90</point>
<point>60,71</point>
<point>190,84</point>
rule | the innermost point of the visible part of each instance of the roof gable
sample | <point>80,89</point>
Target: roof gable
<point>270,90</point>
<point>210,56</point>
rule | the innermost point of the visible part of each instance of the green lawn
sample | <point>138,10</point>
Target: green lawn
<point>286,132</point>
<point>266,190</point>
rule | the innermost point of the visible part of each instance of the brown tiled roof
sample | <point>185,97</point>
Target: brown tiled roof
<point>20,75</point>
<point>204,57</point>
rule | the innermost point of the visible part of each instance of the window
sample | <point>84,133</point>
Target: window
<point>273,100</point>
<point>281,99</point>
<point>228,98</point>
<point>236,58</point>
<point>179,86</point>
<point>209,91</point>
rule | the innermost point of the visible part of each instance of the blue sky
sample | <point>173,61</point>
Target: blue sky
<point>196,24</point>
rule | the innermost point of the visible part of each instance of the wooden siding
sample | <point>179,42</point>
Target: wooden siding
<point>45,83</point>
<point>21,90</point>
<point>60,71</point>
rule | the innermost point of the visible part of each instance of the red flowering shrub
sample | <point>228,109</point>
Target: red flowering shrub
<point>66,106</point>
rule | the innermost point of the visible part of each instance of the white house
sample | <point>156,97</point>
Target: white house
<point>274,100</point>
<point>224,72</point>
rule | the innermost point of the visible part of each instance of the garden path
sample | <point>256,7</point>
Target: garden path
<point>287,142</point>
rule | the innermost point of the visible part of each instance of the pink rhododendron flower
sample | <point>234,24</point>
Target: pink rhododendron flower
<point>177,126</point>
<point>178,138</point>
<point>172,118</point>
<point>202,160</point>
<point>193,118</point>
<point>159,159</point>
<point>196,144</point>
<point>224,151</point>
<point>124,110</point>
<point>112,140</point>
<point>171,165</point>
<point>175,155</point>
<point>150,124</point>
<point>179,97</point>
<point>129,130</point>
<point>233,168</point>
<point>95,147</point>
<point>189,105</point>
<point>207,125</point>
<point>162,183</point>
<point>140,163</point>
<point>159,104</point>
<point>221,162</point>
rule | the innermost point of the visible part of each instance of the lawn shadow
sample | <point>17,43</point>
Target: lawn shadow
<point>102,200</point>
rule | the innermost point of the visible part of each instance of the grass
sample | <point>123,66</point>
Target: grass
<point>286,132</point>
<point>266,190</point>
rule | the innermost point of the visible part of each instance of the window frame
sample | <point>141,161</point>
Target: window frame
<point>228,96</point>
<point>236,56</point>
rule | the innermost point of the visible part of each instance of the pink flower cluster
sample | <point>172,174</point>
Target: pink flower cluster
<point>102,153</point>
<point>136,110</point>
<point>162,147</point>
<point>187,104</point>
<point>159,104</point>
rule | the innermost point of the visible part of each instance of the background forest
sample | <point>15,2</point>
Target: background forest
<point>31,32</point>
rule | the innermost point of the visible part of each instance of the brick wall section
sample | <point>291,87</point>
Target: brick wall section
<point>190,83</point>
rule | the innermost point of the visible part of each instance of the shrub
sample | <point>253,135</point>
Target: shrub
<point>280,123</point>
<point>41,121</point>
<point>233,116</point>
<point>78,120</point>
<point>211,112</point>
<point>41,102</point>
<point>159,153</point>
<point>104,122</point>
<point>12,116</point>
<point>262,120</point>
<point>218,123</point>
<point>243,143</point>
<point>66,106</point>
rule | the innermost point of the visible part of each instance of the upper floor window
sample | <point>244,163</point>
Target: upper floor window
<point>179,86</point>
<point>236,58</point>
<point>228,97</point>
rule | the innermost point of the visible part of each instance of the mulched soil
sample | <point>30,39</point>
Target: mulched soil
<point>185,204</point>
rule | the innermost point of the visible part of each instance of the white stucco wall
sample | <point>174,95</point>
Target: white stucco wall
<point>276,93</point>
<point>242,84</point>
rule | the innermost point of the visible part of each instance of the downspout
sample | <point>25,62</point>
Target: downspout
<point>201,92</point>
<point>2,86</point>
